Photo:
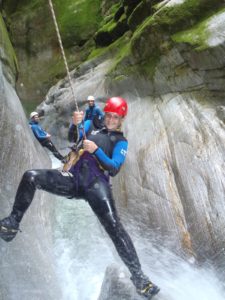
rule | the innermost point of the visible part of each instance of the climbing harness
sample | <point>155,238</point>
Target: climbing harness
<point>74,154</point>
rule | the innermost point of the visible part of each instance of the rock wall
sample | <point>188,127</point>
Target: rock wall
<point>34,38</point>
<point>27,263</point>
<point>172,185</point>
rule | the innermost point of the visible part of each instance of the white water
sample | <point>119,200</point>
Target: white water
<point>83,251</point>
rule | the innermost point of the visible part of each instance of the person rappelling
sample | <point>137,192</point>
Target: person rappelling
<point>42,136</point>
<point>103,152</point>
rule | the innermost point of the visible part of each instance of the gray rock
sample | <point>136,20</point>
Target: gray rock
<point>117,285</point>
<point>27,267</point>
<point>220,110</point>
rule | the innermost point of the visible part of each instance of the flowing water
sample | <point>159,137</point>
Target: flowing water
<point>83,251</point>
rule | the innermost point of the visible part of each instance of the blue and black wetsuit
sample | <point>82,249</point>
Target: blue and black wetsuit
<point>41,136</point>
<point>39,133</point>
<point>93,111</point>
<point>88,179</point>
<point>112,146</point>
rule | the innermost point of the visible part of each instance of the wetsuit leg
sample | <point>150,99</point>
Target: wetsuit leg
<point>99,197</point>
<point>52,181</point>
<point>48,144</point>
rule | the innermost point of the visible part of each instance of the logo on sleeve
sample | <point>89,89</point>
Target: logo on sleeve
<point>123,152</point>
<point>94,132</point>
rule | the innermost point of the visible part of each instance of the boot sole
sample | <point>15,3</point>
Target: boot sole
<point>155,293</point>
<point>149,297</point>
<point>7,234</point>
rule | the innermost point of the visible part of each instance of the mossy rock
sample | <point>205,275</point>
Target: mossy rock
<point>7,53</point>
<point>157,29</point>
<point>119,13</point>
<point>103,38</point>
<point>130,5</point>
<point>35,41</point>
<point>183,15</point>
<point>107,5</point>
<point>140,13</point>
<point>198,35</point>
<point>78,20</point>
<point>111,32</point>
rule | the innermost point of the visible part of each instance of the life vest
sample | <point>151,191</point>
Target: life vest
<point>99,134</point>
<point>104,139</point>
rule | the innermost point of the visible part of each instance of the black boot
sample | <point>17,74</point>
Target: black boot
<point>145,287</point>
<point>8,228</point>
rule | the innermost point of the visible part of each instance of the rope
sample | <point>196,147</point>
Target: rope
<point>62,51</point>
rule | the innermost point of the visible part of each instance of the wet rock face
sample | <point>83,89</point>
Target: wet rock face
<point>117,285</point>
<point>172,184</point>
<point>174,175</point>
<point>183,69</point>
<point>59,103</point>
<point>221,113</point>
<point>26,262</point>
<point>175,165</point>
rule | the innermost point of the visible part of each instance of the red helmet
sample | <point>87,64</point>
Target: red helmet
<point>116,105</point>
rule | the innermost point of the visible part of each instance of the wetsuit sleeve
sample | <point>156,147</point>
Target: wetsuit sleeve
<point>39,132</point>
<point>86,114</point>
<point>76,132</point>
<point>113,164</point>
<point>99,112</point>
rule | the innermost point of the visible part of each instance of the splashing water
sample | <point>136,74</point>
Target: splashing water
<point>83,251</point>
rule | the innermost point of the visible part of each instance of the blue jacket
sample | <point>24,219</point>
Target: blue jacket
<point>39,133</point>
<point>112,145</point>
<point>91,112</point>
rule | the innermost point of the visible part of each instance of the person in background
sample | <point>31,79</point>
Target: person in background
<point>92,110</point>
<point>102,153</point>
<point>42,136</point>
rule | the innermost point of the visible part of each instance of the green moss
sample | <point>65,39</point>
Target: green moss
<point>123,18</point>
<point>123,63</point>
<point>8,55</point>
<point>112,24</point>
<point>78,20</point>
<point>28,7</point>
<point>151,34</point>
<point>97,52</point>
<point>113,9</point>
<point>108,27</point>
<point>110,15</point>
<point>173,18</point>
<point>148,67</point>
<point>113,50</point>
<point>119,78</point>
<point>185,13</point>
<point>197,35</point>
<point>125,68</point>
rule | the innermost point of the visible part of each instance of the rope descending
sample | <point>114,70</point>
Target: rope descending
<point>62,51</point>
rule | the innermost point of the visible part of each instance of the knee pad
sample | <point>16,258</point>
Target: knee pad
<point>29,176</point>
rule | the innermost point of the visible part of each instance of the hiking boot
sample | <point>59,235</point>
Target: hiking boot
<point>149,290</point>
<point>145,287</point>
<point>8,228</point>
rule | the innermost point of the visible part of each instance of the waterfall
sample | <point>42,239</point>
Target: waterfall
<point>83,251</point>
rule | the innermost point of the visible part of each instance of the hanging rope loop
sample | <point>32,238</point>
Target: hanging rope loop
<point>62,51</point>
